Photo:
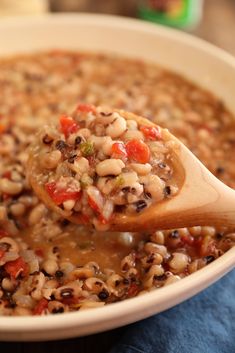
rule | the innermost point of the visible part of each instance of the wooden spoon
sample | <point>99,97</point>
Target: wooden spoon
<point>201,200</point>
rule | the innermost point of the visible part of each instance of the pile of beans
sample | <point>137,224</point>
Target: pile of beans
<point>98,162</point>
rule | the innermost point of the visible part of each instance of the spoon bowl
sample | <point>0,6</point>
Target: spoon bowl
<point>202,199</point>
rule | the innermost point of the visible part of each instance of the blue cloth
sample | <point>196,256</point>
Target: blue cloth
<point>202,324</point>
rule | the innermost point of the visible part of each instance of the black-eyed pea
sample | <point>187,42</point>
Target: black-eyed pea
<point>105,118</point>
<point>56,307</point>
<point>68,205</point>
<point>128,262</point>
<point>17,209</point>
<point>115,285</point>
<point>178,262</point>
<point>80,165</point>
<point>131,124</point>
<point>128,179</point>
<point>36,214</point>
<point>106,185</point>
<point>94,285</point>
<point>195,265</point>
<point>36,286</point>
<point>117,127</point>
<point>131,274</point>
<point>107,146</point>
<point>81,273</point>
<point>70,290</point>
<point>183,232</point>
<point>151,259</point>
<point>93,265</point>
<point>66,268</point>
<point>23,300</point>
<point>156,248</point>
<point>133,134</point>
<point>125,239</point>
<point>154,272</point>
<point>9,284</point>
<point>158,237</point>
<point>9,245</point>
<point>3,214</point>
<point>50,266</point>
<point>10,187</point>
<point>171,279</point>
<point>210,231</point>
<point>110,166</point>
<point>50,160</point>
<point>173,238</point>
<point>141,169</point>
<point>155,187</point>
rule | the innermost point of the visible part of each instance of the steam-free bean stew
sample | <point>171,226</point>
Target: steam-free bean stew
<point>47,264</point>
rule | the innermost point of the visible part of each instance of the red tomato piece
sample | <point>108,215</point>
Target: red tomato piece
<point>7,175</point>
<point>60,195</point>
<point>133,290</point>
<point>17,267</point>
<point>119,150</point>
<point>138,151</point>
<point>40,306</point>
<point>68,125</point>
<point>86,108</point>
<point>151,132</point>
<point>187,239</point>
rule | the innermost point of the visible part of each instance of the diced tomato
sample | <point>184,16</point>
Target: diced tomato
<point>187,239</point>
<point>17,267</point>
<point>40,306</point>
<point>86,108</point>
<point>119,150</point>
<point>3,233</point>
<point>151,132</point>
<point>68,125</point>
<point>60,195</point>
<point>208,246</point>
<point>138,151</point>
<point>133,290</point>
<point>93,205</point>
<point>7,175</point>
<point>2,252</point>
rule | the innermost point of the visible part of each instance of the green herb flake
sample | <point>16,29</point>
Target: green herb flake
<point>119,180</point>
<point>87,149</point>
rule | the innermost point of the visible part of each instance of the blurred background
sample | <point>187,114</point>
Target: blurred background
<point>213,20</point>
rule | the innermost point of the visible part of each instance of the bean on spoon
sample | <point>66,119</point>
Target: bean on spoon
<point>96,141</point>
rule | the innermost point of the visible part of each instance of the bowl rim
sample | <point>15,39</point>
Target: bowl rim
<point>176,292</point>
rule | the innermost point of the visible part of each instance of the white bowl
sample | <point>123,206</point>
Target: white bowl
<point>200,62</point>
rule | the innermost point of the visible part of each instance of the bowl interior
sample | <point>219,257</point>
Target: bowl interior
<point>207,66</point>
